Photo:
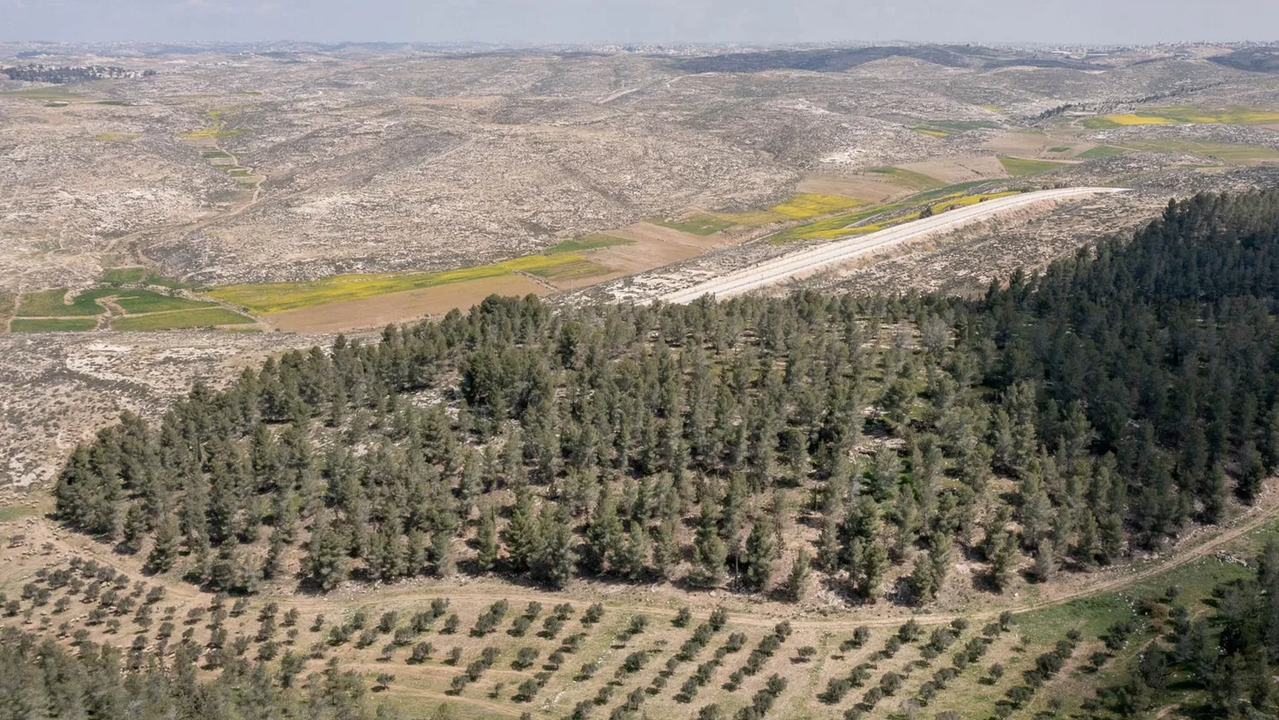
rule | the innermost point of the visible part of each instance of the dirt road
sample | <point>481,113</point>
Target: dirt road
<point>808,262</point>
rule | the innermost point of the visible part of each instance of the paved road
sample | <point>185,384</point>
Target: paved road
<point>824,256</point>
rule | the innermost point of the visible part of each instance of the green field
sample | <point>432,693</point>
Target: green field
<point>585,243</point>
<point>181,319</point>
<point>49,303</point>
<point>699,224</point>
<point>931,132</point>
<point>1232,115</point>
<point>1059,149</point>
<point>1102,151</point>
<point>909,178</point>
<point>52,325</point>
<point>1022,166</point>
<point>276,297</point>
<point>123,275</point>
<point>944,128</point>
<point>136,302</point>
<point>48,94</point>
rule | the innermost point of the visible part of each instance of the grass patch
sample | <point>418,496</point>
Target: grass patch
<point>122,275</point>
<point>582,268</point>
<point>116,137</point>
<point>9,513</point>
<point>1234,152</point>
<point>181,319</point>
<point>1232,115</point>
<point>840,226</point>
<point>215,154</point>
<point>117,103</point>
<point>1102,151</point>
<point>832,227</point>
<point>49,94</point>
<point>800,207</point>
<point>699,224</point>
<point>217,128</point>
<point>1016,166</point>
<point>585,243</point>
<point>276,297</point>
<point>49,303</point>
<point>1060,149</point>
<point>909,178</point>
<point>136,302</point>
<point>950,126</point>
<point>7,302</point>
<point>945,191</point>
<point>810,205</point>
<point>930,132</point>
<point>52,324</point>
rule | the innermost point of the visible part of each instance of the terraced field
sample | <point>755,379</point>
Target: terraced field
<point>135,308</point>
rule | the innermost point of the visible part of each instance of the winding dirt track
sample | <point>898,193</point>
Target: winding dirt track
<point>825,256</point>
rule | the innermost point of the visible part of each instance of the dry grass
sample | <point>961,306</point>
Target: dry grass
<point>208,317</point>
<point>277,297</point>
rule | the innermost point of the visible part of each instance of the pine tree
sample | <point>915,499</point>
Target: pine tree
<point>274,555</point>
<point>1045,561</point>
<point>922,580</point>
<point>325,562</point>
<point>1253,472</point>
<point>665,549</point>
<point>874,565</point>
<point>940,547</point>
<point>636,552</point>
<point>135,529</point>
<point>441,555</point>
<point>828,546</point>
<point>1086,547</point>
<point>554,561</point>
<point>165,548</point>
<point>1214,493</point>
<point>760,552</point>
<point>797,581</point>
<point>522,533</point>
<point>1001,553</point>
<point>709,553</point>
<point>486,539</point>
<point>603,534</point>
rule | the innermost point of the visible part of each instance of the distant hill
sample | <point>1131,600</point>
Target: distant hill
<point>1254,59</point>
<point>842,59</point>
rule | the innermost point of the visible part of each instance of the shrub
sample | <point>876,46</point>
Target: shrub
<point>524,658</point>
<point>387,622</point>
<point>683,617</point>
<point>520,626</point>
<point>421,653</point>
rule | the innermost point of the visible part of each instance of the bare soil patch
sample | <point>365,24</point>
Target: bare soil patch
<point>1024,144</point>
<point>861,187</point>
<point>401,307</point>
<point>959,169</point>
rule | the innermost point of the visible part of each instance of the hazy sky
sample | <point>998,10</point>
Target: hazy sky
<point>569,21</point>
